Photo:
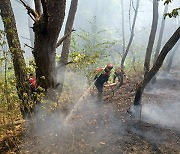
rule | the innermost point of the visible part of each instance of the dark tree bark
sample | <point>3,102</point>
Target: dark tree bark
<point>47,28</point>
<point>38,6</point>
<point>167,47</point>
<point>66,43</point>
<point>151,37</point>
<point>131,37</point>
<point>30,25</point>
<point>16,54</point>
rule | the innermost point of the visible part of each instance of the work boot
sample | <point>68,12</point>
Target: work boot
<point>99,99</point>
<point>100,96</point>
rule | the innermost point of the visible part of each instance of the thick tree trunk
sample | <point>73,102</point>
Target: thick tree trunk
<point>151,37</point>
<point>47,29</point>
<point>167,47</point>
<point>16,54</point>
<point>131,37</point>
<point>66,43</point>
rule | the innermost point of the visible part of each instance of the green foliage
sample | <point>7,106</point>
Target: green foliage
<point>174,13</point>
<point>92,50</point>
<point>32,66</point>
<point>167,2</point>
<point>10,102</point>
<point>9,105</point>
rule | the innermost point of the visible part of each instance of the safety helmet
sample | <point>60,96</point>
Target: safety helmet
<point>99,69</point>
<point>109,66</point>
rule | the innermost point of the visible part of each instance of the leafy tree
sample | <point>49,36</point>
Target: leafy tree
<point>22,86</point>
<point>89,50</point>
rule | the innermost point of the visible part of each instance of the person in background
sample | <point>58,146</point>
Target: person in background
<point>32,82</point>
<point>118,74</point>
<point>102,76</point>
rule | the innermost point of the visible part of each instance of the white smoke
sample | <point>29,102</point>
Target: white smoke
<point>166,115</point>
<point>164,110</point>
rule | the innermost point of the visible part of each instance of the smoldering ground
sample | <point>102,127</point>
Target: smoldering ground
<point>165,112</point>
<point>166,115</point>
<point>90,123</point>
<point>94,127</point>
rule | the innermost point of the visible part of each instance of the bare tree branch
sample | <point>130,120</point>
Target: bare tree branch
<point>44,6</point>
<point>28,46</point>
<point>25,38</point>
<point>38,6</point>
<point>31,12</point>
<point>133,6</point>
<point>70,62</point>
<point>63,38</point>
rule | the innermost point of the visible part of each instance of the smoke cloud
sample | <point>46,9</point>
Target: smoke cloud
<point>166,115</point>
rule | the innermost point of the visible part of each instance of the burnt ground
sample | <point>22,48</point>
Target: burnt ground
<point>106,127</point>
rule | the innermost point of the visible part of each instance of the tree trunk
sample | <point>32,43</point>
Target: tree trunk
<point>167,47</point>
<point>170,59</point>
<point>159,40</point>
<point>66,43</point>
<point>38,7</point>
<point>16,54</point>
<point>160,34</point>
<point>123,31</point>
<point>131,37</point>
<point>123,38</point>
<point>151,37</point>
<point>47,29</point>
<point>30,25</point>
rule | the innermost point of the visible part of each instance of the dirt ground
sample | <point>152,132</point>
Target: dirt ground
<point>105,126</point>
